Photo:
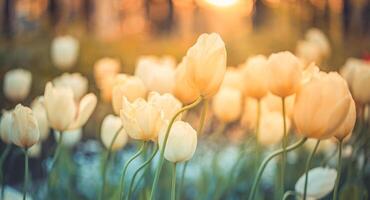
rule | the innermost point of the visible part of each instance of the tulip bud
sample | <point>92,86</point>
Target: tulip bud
<point>111,124</point>
<point>141,120</point>
<point>255,76</point>
<point>316,36</point>
<point>126,86</point>
<point>183,90</point>
<point>284,73</point>
<point>360,85</point>
<point>309,52</point>
<point>39,112</point>
<point>348,124</point>
<point>167,103</point>
<point>6,126</point>
<point>206,64</point>
<point>17,84</point>
<point>271,130</point>
<point>105,68</point>
<point>64,52</point>
<point>227,104</point>
<point>181,142</point>
<point>25,131</point>
<point>75,81</point>
<point>234,79</point>
<point>349,69</point>
<point>322,105</point>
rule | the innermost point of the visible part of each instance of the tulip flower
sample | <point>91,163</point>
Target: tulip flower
<point>309,52</point>
<point>349,68</point>
<point>105,67</point>
<point>75,81</point>
<point>271,132</point>
<point>255,76</point>
<point>361,81</point>
<point>183,90</point>
<point>6,126</point>
<point>316,36</point>
<point>63,113</point>
<point>234,79</point>
<point>70,138</point>
<point>167,103</point>
<point>284,73</point>
<point>273,104</point>
<point>227,104</point>
<point>348,124</point>
<point>35,150</point>
<point>130,87</point>
<point>17,84</point>
<point>320,182</point>
<point>206,64</point>
<point>39,111</point>
<point>64,52</point>
<point>250,112</point>
<point>109,128</point>
<point>322,105</point>
<point>158,74</point>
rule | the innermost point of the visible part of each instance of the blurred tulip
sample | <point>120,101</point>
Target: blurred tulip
<point>255,77</point>
<point>24,129</point>
<point>206,64</point>
<point>322,105</point>
<point>6,122</point>
<point>35,150</point>
<point>39,111</point>
<point>309,52</point>
<point>63,113</point>
<point>158,74</point>
<point>17,84</point>
<point>234,79</point>
<point>271,130</point>
<point>13,194</point>
<point>273,103</point>
<point>141,120</point>
<point>131,87</point>
<point>348,124</point>
<point>316,36</point>
<point>227,104</point>
<point>181,143</point>
<point>320,182</point>
<point>349,68</point>
<point>166,103</point>
<point>360,85</point>
<point>326,147</point>
<point>105,68</point>
<point>284,73</point>
<point>70,137</point>
<point>111,124</point>
<point>183,90</point>
<point>249,117</point>
<point>75,81</point>
<point>64,51</point>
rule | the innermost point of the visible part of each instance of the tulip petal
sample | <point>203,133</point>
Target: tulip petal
<point>86,108</point>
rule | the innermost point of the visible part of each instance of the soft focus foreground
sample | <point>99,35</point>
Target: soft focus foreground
<point>205,99</point>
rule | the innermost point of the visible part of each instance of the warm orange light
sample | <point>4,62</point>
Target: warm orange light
<point>222,3</point>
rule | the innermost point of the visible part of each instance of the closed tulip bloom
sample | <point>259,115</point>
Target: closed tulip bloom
<point>316,36</point>
<point>273,104</point>
<point>206,64</point>
<point>105,67</point>
<point>309,52</point>
<point>284,73</point>
<point>227,104</point>
<point>70,138</point>
<point>6,122</point>
<point>39,112</point>
<point>183,89</point>
<point>360,85</point>
<point>130,87</point>
<point>141,120</point>
<point>271,131</point>
<point>234,79</point>
<point>349,68</point>
<point>181,143</point>
<point>348,124</point>
<point>35,150</point>
<point>322,105</point>
<point>25,131</point>
<point>63,112</point>
<point>64,52</point>
<point>167,103</point>
<point>255,76</point>
<point>17,84</point>
<point>111,124</point>
<point>75,81</point>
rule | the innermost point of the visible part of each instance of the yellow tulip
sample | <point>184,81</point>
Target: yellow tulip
<point>111,124</point>
<point>348,124</point>
<point>183,89</point>
<point>271,130</point>
<point>75,81</point>
<point>234,79</point>
<point>360,85</point>
<point>273,103</point>
<point>255,76</point>
<point>105,68</point>
<point>166,103</point>
<point>39,111</point>
<point>227,104</point>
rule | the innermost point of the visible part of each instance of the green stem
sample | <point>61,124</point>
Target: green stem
<point>2,159</point>
<point>173,185</point>
<point>25,183</point>
<point>126,166</point>
<point>182,179</point>
<point>57,152</point>
<point>139,169</point>
<point>106,161</point>
<point>339,169</point>
<point>258,150</point>
<point>308,168</point>
<point>161,157</point>
<point>284,144</point>
<point>267,160</point>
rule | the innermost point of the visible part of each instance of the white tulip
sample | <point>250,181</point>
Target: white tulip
<point>35,150</point>
<point>6,122</point>
<point>70,137</point>
<point>166,103</point>
<point>64,52</point>
<point>227,104</point>
<point>17,84</point>
<point>39,111</point>
<point>75,81</point>
<point>111,124</point>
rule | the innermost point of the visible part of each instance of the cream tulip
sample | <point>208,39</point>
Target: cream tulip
<point>284,73</point>
<point>105,68</point>
<point>141,120</point>
<point>360,85</point>
<point>109,128</point>
<point>181,142</point>
<point>206,64</point>
<point>309,52</point>
<point>255,76</point>
<point>75,81</point>
<point>271,130</point>
<point>17,84</point>
<point>322,105</point>
<point>273,103</point>
<point>345,129</point>
<point>316,36</point>
<point>24,129</point>
<point>63,113</point>
<point>64,51</point>
<point>227,104</point>
<point>35,150</point>
<point>349,68</point>
<point>131,87</point>
<point>183,89</point>
<point>39,111</point>
<point>167,103</point>
<point>70,138</point>
<point>6,126</point>
<point>234,79</point>
<point>250,112</point>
